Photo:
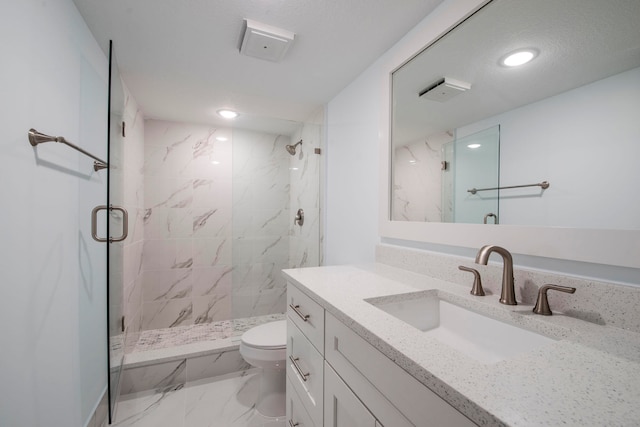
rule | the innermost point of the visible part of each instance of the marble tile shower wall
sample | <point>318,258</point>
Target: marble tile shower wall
<point>198,264</point>
<point>417,172</point>
<point>304,247</point>
<point>187,225</point>
<point>261,217</point>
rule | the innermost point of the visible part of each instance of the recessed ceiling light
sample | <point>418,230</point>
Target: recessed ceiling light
<point>473,146</point>
<point>227,114</point>
<point>221,138</point>
<point>215,162</point>
<point>519,57</point>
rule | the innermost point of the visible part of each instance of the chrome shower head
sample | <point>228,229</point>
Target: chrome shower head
<point>291,149</point>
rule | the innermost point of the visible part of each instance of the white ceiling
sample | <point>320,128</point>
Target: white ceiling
<point>579,42</point>
<point>181,61</point>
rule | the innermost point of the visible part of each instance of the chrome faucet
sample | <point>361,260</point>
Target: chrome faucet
<point>508,294</point>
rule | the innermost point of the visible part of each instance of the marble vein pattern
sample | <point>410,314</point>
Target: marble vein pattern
<point>417,179</point>
<point>157,377</point>
<point>260,221</point>
<point>187,334</point>
<point>305,171</point>
<point>187,224</point>
<point>227,400</point>
<point>217,220</point>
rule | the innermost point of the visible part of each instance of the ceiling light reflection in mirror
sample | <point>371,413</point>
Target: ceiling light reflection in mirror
<point>575,104</point>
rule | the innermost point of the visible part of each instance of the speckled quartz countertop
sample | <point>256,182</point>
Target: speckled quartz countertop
<point>590,376</point>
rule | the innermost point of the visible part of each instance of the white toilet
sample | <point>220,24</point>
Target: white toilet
<point>265,347</point>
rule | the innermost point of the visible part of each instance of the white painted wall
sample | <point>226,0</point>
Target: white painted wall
<point>352,172</point>
<point>572,140</point>
<point>53,302</point>
<point>354,118</point>
<point>353,138</point>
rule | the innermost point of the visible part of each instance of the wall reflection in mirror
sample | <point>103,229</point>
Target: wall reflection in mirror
<point>568,116</point>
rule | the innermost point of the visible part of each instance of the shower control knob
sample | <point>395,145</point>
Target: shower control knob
<point>299,219</point>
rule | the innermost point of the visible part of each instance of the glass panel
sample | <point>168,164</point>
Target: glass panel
<point>273,178</point>
<point>447,168</point>
<point>115,251</point>
<point>476,165</point>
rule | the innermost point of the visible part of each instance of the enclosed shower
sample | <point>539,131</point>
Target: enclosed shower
<point>212,213</point>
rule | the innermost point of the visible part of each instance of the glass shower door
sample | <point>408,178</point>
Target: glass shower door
<point>276,214</point>
<point>477,166</point>
<point>116,226</point>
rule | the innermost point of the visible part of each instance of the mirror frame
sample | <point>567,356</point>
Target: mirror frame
<point>600,246</point>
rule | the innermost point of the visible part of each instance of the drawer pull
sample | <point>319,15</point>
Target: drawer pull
<point>291,424</point>
<point>295,365</point>
<point>295,308</point>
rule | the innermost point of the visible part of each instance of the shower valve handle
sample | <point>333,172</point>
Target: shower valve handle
<point>299,219</point>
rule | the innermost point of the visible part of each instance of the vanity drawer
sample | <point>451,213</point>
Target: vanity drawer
<point>307,315</point>
<point>306,374</point>
<point>297,415</point>
<point>406,401</point>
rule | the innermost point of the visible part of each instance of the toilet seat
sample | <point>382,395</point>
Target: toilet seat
<point>269,336</point>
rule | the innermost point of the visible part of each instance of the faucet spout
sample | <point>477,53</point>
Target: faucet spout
<point>508,294</point>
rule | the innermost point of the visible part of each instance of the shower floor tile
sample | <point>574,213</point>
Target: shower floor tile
<point>171,337</point>
<point>226,401</point>
<point>161,345</point>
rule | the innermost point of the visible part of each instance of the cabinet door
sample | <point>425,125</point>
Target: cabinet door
<point>395,397</point>
<point>296,411</point>
<point>341,407</point>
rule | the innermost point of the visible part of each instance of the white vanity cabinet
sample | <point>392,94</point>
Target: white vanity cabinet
<point>305,371</point>
<point>305,359</point>
<point>307,315</point>
<point>395,398</point>
<point>343,381</point>
<point>297,414</point>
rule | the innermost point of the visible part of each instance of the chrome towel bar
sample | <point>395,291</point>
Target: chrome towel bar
<point>36,138</point>
<point>543,184</point>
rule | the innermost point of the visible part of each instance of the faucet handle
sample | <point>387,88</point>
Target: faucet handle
<point>542,303</point>
<point>477,282</point>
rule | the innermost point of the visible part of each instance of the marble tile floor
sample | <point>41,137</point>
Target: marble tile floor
<point>224,401</point>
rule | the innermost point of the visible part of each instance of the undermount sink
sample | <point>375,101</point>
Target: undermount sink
<point>480,337</point>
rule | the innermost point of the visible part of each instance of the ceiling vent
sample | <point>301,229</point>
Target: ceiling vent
<point>444,89</point>
<point>265,42</point>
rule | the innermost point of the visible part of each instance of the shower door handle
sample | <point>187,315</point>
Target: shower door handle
<point>94,223</point>
<point>491,215</point>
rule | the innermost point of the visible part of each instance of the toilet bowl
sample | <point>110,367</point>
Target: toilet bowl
<point>265,347</point>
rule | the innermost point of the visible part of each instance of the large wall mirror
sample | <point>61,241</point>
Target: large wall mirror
<point>568,118</point>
